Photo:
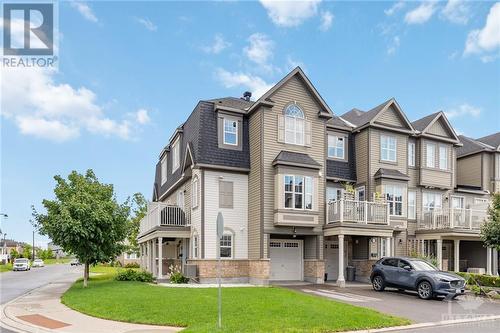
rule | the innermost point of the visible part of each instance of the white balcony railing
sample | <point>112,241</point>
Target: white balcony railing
<point>161,214</point>
<point>453,218</point>
<point>355,211</point>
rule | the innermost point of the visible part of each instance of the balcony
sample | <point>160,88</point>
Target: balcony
<point>160,214</point>
<point>359,212</point>
<point>453,218</point>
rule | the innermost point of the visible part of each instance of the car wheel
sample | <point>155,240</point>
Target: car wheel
<point>424,290</point>
<point>378,283</point>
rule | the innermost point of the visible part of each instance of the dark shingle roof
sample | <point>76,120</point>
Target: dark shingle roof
<point>360,118</point>
<point>390,173</point>
<point>422,123</point>
<point>470,146</point>
<point>492,140</point>
<point>288,157</point>
<point>338,123</point>
<point>232,102</point>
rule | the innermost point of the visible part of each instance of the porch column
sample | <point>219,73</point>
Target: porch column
<point>456,255</point>
<point>148,257</point>
<point>495,262</point>
<point>160,258</point>
<point>488,260</point>
<point>153,256</point>
<point>340,278</point>
<point>439,253</point>
<point>388,241</point>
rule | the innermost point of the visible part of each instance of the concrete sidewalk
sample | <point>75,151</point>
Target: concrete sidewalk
<point>42,311</point>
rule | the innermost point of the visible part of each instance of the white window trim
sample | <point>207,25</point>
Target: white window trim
<point>227,233</point>
<point>360,189</point>
<point>176,156</point>
<point>388,149</point>
<point>335,146</point>
<point>295,120</point>
<point>480,200</point>
<point>411,154</point>
<point>427,155</point>
<point>435,194</point>
<point>306,178</point>
<point>194,192</point>
<point>163,170</point>
<point>394,198</point>
<point>414,205</point>
<point>457,197</point>
<point>224,131</point>
<point>195,246</point>
<point>445,166</point>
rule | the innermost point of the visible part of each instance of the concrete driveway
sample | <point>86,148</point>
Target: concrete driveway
<point>406,304</point>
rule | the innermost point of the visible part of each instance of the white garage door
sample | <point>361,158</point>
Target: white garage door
<point>286,259</point>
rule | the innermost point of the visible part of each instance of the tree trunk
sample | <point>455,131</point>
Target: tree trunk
<point>85,274</point>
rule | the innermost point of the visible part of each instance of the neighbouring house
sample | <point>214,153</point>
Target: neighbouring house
<point>57,251</point>
<point>305,193</point>
<point>7,246</point>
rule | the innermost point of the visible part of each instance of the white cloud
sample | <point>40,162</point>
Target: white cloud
<point>142,116</point>
<point>487,39</point>
<point>290,13</point>
<point>395,8</point>
<point>394,45</point>
<point>147,23</point>
<point>219,45</point>
<point>55,111</point>
<point>235,79</point>
<point>85,10</point>
<point>456,11</point>
<point>292,63</point>
<point>421,14</point>
<point>326,20</point>
<point>260,49</point>
<point>463,110</point>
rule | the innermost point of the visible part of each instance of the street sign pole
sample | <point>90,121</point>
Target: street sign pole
<point>220,232</point>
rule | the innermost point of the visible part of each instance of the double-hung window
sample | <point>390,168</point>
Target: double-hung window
<point>194,192</point>
<point>431,155</point>
<point>394,196</point>
<point>230,132</point>
<point>175,155</point>
<point>336,146</point>
<point>226,246</point>
<point>411,154</point>
<point>195,246</point>
<point>163,170</point>
<point>298,192</point>
<point>294,125</point>
<point>388,148</point>
<point>412,204</point>
<point>443,158</point>
<point>431,201</point>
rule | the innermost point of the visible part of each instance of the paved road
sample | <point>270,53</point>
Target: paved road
<point>14,284</point>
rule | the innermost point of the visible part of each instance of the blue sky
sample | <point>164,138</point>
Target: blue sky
<point>130,72</point>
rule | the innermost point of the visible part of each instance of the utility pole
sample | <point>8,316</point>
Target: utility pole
<point>33,256</point>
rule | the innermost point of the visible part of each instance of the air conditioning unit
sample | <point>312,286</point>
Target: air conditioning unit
<point>191,271</point>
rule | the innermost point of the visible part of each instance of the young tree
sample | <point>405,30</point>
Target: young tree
<point>14,254</point>
<point>139,207</point>
<point>27,251</point>
<point>84,219</point>
<point>490,231</point>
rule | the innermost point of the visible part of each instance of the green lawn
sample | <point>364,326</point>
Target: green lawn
<point>5,268</point>
<point>262,309</point>
<point>57,261</point>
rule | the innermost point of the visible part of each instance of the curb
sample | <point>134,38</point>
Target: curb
<point>427,325</point>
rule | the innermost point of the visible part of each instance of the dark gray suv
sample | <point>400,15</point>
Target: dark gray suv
<point>415,274</point>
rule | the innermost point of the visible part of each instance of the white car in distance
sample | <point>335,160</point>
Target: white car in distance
<point>38,263</point>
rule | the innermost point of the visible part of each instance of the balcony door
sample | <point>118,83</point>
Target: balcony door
<point>180,199</point>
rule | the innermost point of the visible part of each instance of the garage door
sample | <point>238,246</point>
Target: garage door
<point>286,259</point>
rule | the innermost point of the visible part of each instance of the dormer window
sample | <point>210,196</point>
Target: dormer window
<point>176,158</point>
<point>230,132</point>
<point>294,125</point>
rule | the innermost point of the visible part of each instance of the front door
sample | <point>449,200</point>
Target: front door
<point>331,254</point>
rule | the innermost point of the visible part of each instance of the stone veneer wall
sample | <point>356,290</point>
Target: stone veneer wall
<point>233,271</point>
<point>314,270</point>
<point>259,271</point>
<point>363,269</point>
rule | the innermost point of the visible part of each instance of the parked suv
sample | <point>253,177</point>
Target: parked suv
<point>415,274</point>
<point>21,264</point>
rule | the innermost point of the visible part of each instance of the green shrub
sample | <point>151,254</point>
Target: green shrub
<point>132,265</point>
<point>177,277</point>
<point>134,275</point>
<point>481,279</point>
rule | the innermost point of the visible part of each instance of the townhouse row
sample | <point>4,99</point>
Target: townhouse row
<point>305,193</point>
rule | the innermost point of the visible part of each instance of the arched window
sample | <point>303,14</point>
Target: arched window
<point>294,124</point>
<point>194,192</point>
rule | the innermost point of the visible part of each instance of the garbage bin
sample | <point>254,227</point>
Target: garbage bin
<point>351,273</point>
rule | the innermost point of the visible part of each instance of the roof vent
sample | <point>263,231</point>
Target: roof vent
<point>247,95</point>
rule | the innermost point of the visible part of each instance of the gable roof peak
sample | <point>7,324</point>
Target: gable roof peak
<point>492,140</point>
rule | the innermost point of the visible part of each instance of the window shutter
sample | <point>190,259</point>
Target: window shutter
<point>307,133</point>
<point>281,128</point>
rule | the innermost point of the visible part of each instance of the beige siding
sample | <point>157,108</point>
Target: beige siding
<point>390,117</point>
<point>254,186</point>
<point>196,211</point>
<point>361,151</point>
<point>435,176</point>
<point>469,170</point>
<point>438,128</point>
<point>487,171</point>
<point>292,91</point>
